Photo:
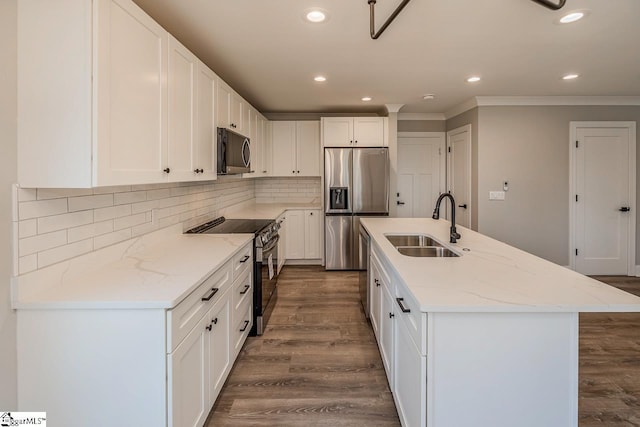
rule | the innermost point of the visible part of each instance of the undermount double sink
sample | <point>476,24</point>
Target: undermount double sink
<point>419,245</point>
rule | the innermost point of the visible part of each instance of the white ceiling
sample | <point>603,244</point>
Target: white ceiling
<point>269,54</point>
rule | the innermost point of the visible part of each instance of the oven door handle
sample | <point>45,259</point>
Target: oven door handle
<point>271,245</point>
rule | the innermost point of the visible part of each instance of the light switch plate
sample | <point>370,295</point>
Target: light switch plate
<point>496,195</point>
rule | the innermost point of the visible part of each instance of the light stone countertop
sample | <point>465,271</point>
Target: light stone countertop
<point>267,210</point>
<point>157,275</point>
<point>491,276</point>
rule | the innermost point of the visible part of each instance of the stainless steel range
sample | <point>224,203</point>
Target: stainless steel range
<point>265,265</point>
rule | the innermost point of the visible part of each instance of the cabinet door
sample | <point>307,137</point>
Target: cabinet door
<point>251,124</point>
<point>223,104</point>
<point>312,234</point>
<point>219,346</point>
<point>188,377</point>
<point>282,243</point>
<point>375,292</point>
<point>182,112</point>
<point>206,123</point>
<point>308,148</point>
<point>410,378</point>
<point>295,235</point>
<point>236,114</point>
<point>132,96</point>
<point>337,131</point>
<point>267,149</point>
<point>283,148</point>
<point>368,131</point>
<point>386,331</point>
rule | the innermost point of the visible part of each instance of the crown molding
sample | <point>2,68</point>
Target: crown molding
<point>421,116</point>
<point>515,101</point>
<point>393,108</point>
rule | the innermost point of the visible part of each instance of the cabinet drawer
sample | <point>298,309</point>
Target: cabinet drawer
<point>413,318</point>
<point>242,325</point>
<point>182,318</point>
<point>242,291</point>
<point>242,261</point>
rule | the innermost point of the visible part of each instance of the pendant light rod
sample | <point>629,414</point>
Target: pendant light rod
<point>372,21</point>
<point>551,5</point>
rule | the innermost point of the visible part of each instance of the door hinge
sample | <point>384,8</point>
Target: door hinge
<point>577,144</point>
<point>576,252</point>
<point>576,197</point>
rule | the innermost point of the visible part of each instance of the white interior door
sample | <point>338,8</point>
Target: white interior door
<point>459,172</point>
<point>603,197</point>
<point>420,174</point>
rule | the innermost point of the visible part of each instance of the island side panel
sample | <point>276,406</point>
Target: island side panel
<point>502,369</point>
<point>85,367</point>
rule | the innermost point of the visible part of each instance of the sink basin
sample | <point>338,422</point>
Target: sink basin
<point>412,240</point>
<point>426,251</point>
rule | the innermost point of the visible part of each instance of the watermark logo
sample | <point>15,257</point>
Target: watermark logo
<point>9,419</point>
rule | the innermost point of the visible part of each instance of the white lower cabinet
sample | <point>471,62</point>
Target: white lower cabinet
<point>282,242</point>
<point>304,234</point>
<point>400,330</point>
<point>154,366</point>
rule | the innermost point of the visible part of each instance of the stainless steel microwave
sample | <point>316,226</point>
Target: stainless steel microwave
<point>234,153</point>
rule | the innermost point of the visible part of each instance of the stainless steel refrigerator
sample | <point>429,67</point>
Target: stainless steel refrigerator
<point>356,184</point>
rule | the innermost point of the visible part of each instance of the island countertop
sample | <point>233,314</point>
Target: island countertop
<point>489,276</point>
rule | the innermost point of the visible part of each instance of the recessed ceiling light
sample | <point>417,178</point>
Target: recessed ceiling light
<point>315,15</point>
<point>571,17</point>
<point>473,79</point>
<point>428,96</point>
<point>320,78</point>
<point>366,98</point>
<point>570,76</point>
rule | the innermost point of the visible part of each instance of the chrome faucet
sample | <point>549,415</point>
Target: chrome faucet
<point>436,215</point>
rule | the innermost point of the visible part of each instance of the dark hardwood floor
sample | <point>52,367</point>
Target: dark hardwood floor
<point>318,363</point>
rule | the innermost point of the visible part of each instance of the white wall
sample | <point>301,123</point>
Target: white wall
<point>529,147</point>
<point>8,174</point>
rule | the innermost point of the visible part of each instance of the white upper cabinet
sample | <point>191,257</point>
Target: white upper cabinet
<point>99,117</point>
<point>295,148</point>
<point>230,109</point>
<point>107,97</point>
<point>354,131</point>
<point>206,153</point>
<point>183,72</point>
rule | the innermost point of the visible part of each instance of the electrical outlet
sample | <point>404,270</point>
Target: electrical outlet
<point>496,195</point>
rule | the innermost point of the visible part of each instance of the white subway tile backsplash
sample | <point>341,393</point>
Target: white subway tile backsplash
<point>111,238</point>
<point>59,193</point>
<point>41,242</point>
<point>129,197</point>
<point>53,225</point>
<point>90,202</point>
<point>59,222</point>
<point>129,221</point>
<point>27,228</point>
<point>27,263</point>
<point>103,214</point>
<point>91,230</point>
<point>62,253</point>
<point>39,208</point>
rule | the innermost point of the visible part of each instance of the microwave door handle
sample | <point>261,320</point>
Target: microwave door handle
<point>244,145</point>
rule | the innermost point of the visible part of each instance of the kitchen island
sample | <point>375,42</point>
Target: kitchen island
<point>487,338</point>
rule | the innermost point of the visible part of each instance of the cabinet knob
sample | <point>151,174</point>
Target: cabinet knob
<point>298,171</point>
<point>356,141</point>
<point>166,170</point>
<point>310,213</point>
<point>293,171</point>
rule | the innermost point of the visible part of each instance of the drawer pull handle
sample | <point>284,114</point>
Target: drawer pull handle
<point>213,292</point>
<point>402,307</point>
<point>244,259</point>
<point>246,288</point>
<point>391,315</point>
<point>377,282</point>
<point>215,321</point>
<point>208,328</point>
<point>246,324</point>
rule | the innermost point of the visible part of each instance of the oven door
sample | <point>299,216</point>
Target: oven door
<point>268,279</point>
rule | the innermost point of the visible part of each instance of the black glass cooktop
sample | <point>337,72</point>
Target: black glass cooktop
<point>229,226</point>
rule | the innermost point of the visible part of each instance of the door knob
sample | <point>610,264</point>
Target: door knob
<point>463,206</point>
<point>625,209</point>
<point>399,203</point>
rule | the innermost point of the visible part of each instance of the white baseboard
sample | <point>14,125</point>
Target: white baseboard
<point>637,270</point>
<point>303,262</point>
